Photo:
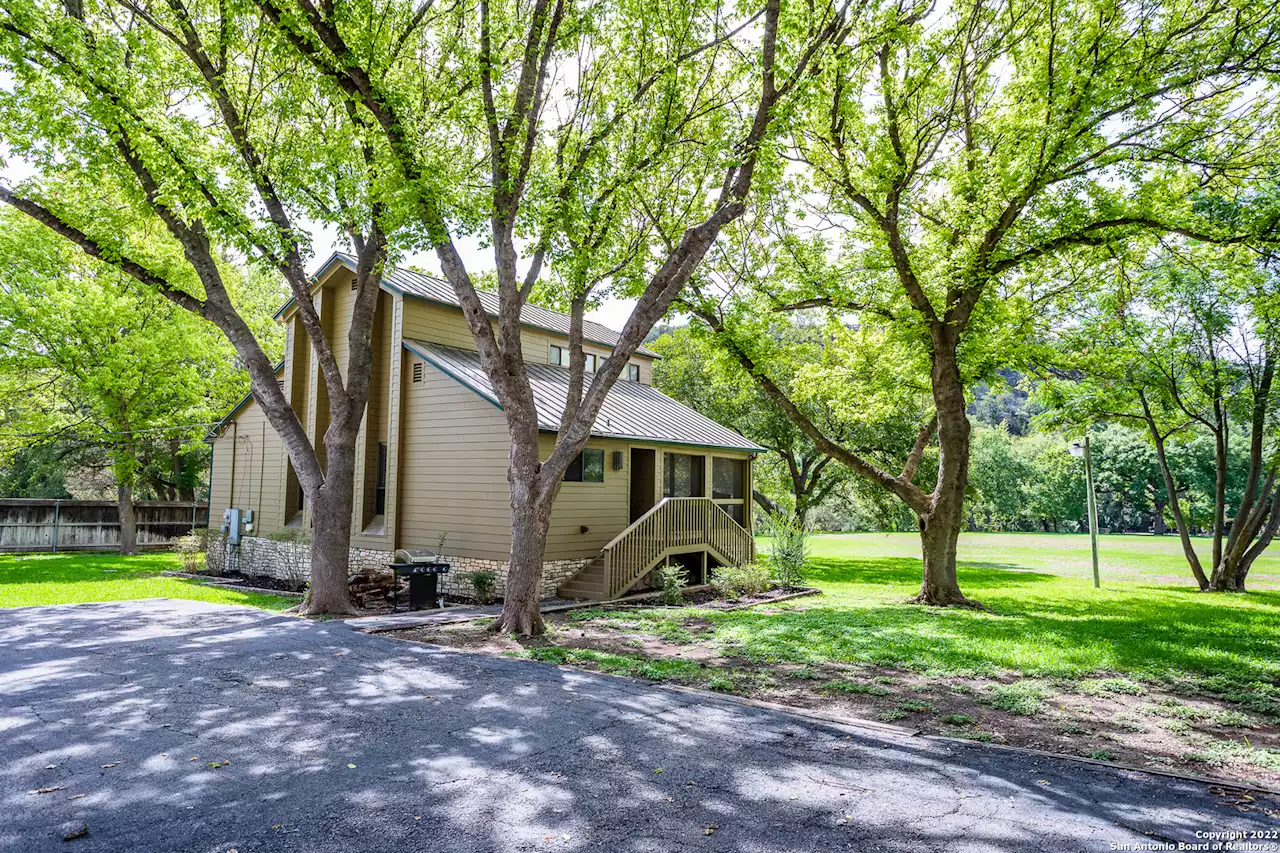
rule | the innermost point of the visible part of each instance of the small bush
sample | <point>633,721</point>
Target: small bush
<point>1024,698</point>
<point>482,585</point>
<point>737,581</point>
<point>890,716</point>
<point>672,579</point>
<point>788,550</point>
<point>191,548</point>
<point>1101,755</point>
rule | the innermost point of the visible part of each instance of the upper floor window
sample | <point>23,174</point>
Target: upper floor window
<point>587,467</point>
<point>560,356</point>
<point>633,373</point>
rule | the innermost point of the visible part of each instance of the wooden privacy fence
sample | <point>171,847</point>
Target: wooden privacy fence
<point>39,524</point>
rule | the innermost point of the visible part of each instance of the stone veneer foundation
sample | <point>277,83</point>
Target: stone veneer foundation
<point>259,556</point>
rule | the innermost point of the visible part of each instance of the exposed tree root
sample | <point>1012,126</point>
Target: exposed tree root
<point>306,608</point>
<point>947,598</point>
<point>522,625</point>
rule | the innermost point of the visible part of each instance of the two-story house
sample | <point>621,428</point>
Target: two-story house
<point>656,482</point>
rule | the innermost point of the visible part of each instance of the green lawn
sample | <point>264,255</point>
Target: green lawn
<point>1038,624</point>
<point>32,579</point>
<point>1143,671</point>
<point>1122,557</point>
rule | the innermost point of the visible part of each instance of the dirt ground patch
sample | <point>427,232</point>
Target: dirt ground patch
<point>1144,724</point>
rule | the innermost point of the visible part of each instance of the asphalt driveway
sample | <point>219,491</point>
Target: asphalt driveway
<point>179,726</point>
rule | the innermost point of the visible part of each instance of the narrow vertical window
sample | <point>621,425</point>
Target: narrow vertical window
<point>380,487</point>
<point>633,373</point>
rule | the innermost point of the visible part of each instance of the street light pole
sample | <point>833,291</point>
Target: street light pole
<point>1085,449</point>
<point>1093,511</point>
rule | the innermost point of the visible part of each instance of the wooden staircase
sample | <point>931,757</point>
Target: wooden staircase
<point>673,526</point>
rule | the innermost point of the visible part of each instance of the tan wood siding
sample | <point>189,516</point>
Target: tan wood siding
<point>600,507</point>
<point>247,461</point>
<point>452,468</point>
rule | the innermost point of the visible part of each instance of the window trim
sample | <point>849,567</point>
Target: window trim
<point>633,372</point>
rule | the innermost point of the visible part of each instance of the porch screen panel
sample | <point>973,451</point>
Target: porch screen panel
<point>682,475</point>
<point>728,478</point>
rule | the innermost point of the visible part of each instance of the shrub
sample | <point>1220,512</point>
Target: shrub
<point>482,585</point>
<point>737,581</point>
<point>788,550</point>
<point>191,549</point>
<point>293,556</point>
<point>672,579</point>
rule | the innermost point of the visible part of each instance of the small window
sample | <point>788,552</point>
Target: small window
<point>587,467</point>
<point>592,361</point>
<point>633,373</point>
<point>559,355</point>
<point>417,372</point>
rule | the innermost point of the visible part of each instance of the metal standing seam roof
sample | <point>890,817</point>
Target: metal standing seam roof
<point>432,289</point>
<point>632,410</point>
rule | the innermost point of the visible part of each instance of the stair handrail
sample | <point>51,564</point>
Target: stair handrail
<point>627,530</point>
<point>732,538</point>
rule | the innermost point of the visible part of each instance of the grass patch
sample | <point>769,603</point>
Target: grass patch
<point>28,580</point>
<point>1037,625</point>
<point>1098,686</point>
<point>635,666</point>
<point>915,707</point>
<point>957,720</point>
<point>854,687</point>
<point>1219,752</point>
<point>1024,698</point>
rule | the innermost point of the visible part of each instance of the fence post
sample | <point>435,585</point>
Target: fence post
<point>57,507</point>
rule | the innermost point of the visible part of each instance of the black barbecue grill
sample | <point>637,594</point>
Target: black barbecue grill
<point>423,569</point>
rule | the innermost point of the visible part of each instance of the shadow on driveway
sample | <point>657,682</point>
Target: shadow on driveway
<point>132,709</point>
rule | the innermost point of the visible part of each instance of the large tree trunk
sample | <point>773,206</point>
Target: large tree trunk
<point>531,508</point>
<point>331,508</point>
<point>940,527</point>
<point>938,540</point>
<point>128,519</point>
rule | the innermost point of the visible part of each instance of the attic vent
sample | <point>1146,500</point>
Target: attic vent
<point>417,372</point>
<point>617,460</point>
<point>354,283</point>
<point>280,382</point>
